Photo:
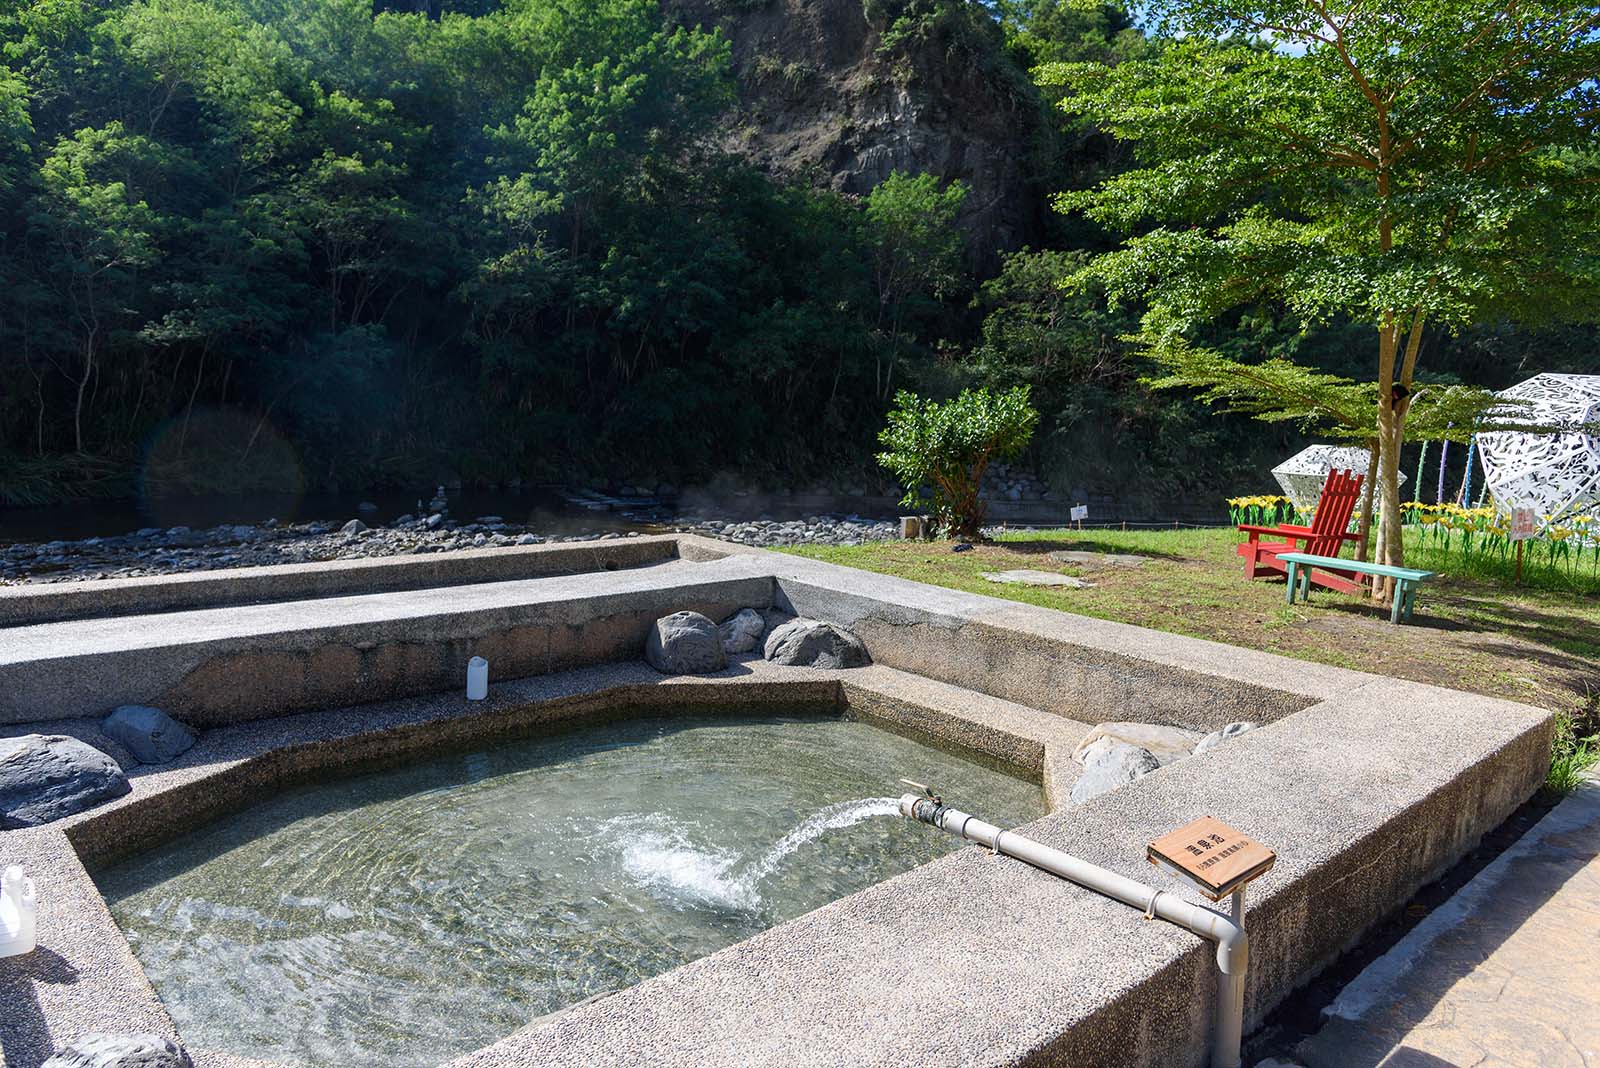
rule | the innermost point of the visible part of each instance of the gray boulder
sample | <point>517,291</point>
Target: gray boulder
<point>1109,766</point>
<point>1216,738</point>
<point>741,632</point>
<point>685,643</point>
<point>152,736</point>
<point>46,777</point>
<point>813,643</point>
<point>100,1050</point>
<point>1166,744</point>
<point>355,526</point>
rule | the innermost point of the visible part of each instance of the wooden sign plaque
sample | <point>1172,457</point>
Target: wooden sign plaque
<point>1215,857</point>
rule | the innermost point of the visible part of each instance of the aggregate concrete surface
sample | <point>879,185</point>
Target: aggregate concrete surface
<point>1505,974</point>
<point>1367,787</point>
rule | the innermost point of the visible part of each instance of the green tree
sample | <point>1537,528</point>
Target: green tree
<point>97,233</point>
<point>595,124</point>
<point>918,253</point>
<point>1278,390</point>
<point>16,129</point>
<point>946,446</point>
<point>233,73</point>
<point>1068,31</point>
<point>1410,165</point>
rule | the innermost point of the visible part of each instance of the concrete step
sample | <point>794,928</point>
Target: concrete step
<point>227,664</point>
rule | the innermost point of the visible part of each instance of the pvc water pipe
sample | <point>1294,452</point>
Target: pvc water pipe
<point>1233,947</point>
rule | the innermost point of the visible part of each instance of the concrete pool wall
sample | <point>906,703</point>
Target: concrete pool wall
<point>1366,787</point>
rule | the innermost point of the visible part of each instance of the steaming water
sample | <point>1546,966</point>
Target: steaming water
<point>405,917</point>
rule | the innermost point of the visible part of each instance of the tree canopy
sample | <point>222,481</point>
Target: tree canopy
<point>346,243</point>
<point>1406,166</point>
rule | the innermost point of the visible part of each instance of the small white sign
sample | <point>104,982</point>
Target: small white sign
<point>1524,524</point>
<point>1079,512</point>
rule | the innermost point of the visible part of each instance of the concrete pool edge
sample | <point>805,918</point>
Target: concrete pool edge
<point>48,602</point>
<point>1364,784</point>
<point>215,665</point>
<point>230,767</point>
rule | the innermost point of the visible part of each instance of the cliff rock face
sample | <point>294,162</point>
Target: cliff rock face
<point>821,95</point>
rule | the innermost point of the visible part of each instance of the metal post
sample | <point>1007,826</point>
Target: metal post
<point>1233,947</point>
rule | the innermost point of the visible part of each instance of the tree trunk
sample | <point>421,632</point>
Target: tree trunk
<point>1390,520</point>
<point>188,409</point>
<point>1388,455</point>
<point>1364,527</point>
<point>83,384</point>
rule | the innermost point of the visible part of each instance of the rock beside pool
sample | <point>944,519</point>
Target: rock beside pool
<point>1228,733</point>
<point>813,643</point>
<point>685,643</point>
<point>1111,764</point>
<point>741,632</point>
<point>100,1050</point>
<point>152,736</point>
<point>1165,743</point>
<point>45,777</point>
<point>1115,754</point>
<point>1027,576</point>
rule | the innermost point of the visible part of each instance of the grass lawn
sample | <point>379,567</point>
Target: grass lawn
<point>1538,644</point>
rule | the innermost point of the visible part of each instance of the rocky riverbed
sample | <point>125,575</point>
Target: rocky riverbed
<point>165,551</point>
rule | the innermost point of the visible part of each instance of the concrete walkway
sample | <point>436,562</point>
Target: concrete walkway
<point>1506,974</point>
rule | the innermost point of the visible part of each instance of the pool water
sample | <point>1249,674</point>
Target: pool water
<point>408,916</point>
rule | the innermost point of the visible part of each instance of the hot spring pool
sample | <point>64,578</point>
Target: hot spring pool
<point>408,916</point>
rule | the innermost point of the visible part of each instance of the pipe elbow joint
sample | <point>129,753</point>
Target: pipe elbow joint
<point>1233,949</point>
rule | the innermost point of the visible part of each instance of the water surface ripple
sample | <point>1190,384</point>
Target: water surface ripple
<point>407,916</point>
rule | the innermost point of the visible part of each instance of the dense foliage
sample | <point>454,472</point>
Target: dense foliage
<point>274,243</point>
<point>501,243</point>
<point>943,448</point>
<point>1405,166</point>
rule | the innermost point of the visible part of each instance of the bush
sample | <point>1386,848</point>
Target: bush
<point>943,448</point>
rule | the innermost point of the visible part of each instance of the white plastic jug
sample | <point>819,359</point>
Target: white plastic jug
<point>19,912</point>
<point>477,679</point>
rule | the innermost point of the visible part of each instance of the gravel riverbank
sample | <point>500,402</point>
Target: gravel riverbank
<point>158,551</point>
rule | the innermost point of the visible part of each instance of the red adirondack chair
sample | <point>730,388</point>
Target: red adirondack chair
<point>1329,530</point>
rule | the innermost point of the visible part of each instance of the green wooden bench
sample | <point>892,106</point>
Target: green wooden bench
<point>1406,579</point>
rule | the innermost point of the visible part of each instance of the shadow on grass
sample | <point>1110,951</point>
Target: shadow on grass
<point>1084,545</point>
<point>1567,643</point>
<point>1581,668</point>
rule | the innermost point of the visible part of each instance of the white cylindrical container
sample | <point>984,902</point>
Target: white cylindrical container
<point>477,679</point>
<point>18,913</point>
